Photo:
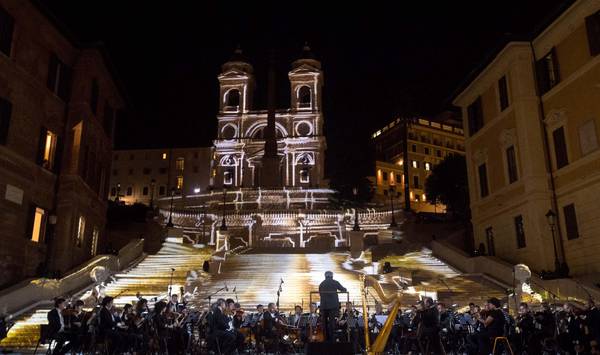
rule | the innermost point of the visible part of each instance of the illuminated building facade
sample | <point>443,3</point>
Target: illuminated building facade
<point>240,142</point>
<point>58,104</point>
<point>145,175</point>
<point>532,146</point>
<point>429,141</point>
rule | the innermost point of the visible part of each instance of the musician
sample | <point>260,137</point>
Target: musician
<point>219,326</point>
<point>445,316</point>
<point>174,304</point>
<point>56,327</point>
<point>429,327</point>
<point>493,326</point>
<point>350,322</point>
<point>524,331</point>
<point>330,304</point>
<point>271,321</point>
<point>294,319</point>
<point>545,321</point>
<point>107,325</point>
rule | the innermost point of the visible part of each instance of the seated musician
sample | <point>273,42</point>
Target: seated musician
<point>294,319</point>
<point>429,328</point>
<point>56,327</point>
<point>219,328</point>
<point>271,320</point>
<point>351,322</point>
<point>107,324</point>
<point>493,326</point>
<point>524,331</point>
<point>174,305</point>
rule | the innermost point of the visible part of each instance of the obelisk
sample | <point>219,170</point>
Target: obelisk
<point>270,176</point>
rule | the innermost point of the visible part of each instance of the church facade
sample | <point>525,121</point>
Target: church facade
<point>240,143</point>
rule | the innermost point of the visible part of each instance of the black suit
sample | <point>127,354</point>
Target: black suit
<point>56,332</point>
<point>219,325</point>
<point>107,327</point>
<point>330,305</point>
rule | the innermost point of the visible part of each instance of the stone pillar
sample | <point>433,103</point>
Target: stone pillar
<point>357,245</point>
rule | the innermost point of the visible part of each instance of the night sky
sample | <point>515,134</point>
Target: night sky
<point>379,60</point>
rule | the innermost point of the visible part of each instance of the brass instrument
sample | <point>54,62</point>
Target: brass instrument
<point>379,345</point>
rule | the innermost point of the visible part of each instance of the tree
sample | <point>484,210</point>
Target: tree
<point>448,184</point>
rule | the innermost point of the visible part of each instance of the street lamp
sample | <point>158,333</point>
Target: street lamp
<point>118,192</point>
<point>356,226</point>
<point>392,191</point>
<point>551,217</point>
<point>170,223</point>
<point>223,224</point>
<point>152,183</point>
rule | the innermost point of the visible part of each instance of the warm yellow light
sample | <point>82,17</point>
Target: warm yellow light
<point>424,198</point>
<point>412,195</point>
<point>37,224</point>
<point>164,156</point>
<point>179,182</point>
<point>400,162</point>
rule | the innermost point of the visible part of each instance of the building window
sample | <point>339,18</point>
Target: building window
<point>483,180</point>
<point>7,24</point>
<point>384,175</point>
<point>115,172</point>
<point>304,96</point>
<point>38,224</point>
<point>59,77</point>
<point>145,191</point>
<point>232,100</point>
<point>571,221</point>
<point>130,171</point>
<point>489,238</point>
<point>95,235</point>
<point>503,93</point>
<point>80,231</point>
<point>195,169</point>
<point>304,176</point>
<point>161,190</point>
<point>475,116</point>
<point>414,148</point>
<point>47,153</point>
<point>228,177</point>
<point>162,171</point>
<point>520,232</point>
<point>426,150</point>
<point>147,171</point>
<point>164,156</point>
<point>417,197</point>
<point>560,147</point>
<point>588,140</point>
<point>113,191</point>
<point>427,166</point>
<point>438,153</point>
<point>415,164</point>
<point>511,164</point>
<point>129,191</point>
<point>548,74</point>
<point>94,96</point>
<point>592,24</point>
<point>179,182</point>
<point>416,182</point>
<point>179,164</point>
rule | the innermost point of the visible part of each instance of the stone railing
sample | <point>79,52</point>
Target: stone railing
<point>502,271</point>
<point>32,291</point>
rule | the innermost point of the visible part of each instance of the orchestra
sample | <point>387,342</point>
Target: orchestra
<point>172,326</point>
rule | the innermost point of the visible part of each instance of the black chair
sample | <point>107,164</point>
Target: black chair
<point>45,338</point>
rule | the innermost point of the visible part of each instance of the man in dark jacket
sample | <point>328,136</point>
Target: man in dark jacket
<point>220,329</point>
<point>330,303</point>
<point>56,327</point>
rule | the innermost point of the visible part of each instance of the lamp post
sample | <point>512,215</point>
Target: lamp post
<point>392,191</point>
<point>118,192</point>
<point>152,183</point>
<point>356,226</point>
<point>170,222</point>
<point>551,217</point>
<point>223,224</point>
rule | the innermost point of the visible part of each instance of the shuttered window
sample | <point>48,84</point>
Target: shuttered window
<point>560,147</point>
<point>511,164</point>
<point>7,26</point>
<point>592,24</point>
<point>475,116</point>
<point>483,181</point>
<point>503,93</point>
<point>548,73</point>
<point>571,221</point>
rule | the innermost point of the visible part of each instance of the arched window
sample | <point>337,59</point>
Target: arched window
<point>304,176</point>
<point>228,177</point>
<point>304,97</point>
<point>232,99</point>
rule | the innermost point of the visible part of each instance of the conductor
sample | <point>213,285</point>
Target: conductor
<point>330,304</point>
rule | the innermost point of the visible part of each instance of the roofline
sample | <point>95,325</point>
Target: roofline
<point>161,149</point>
<point>491,55</point>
